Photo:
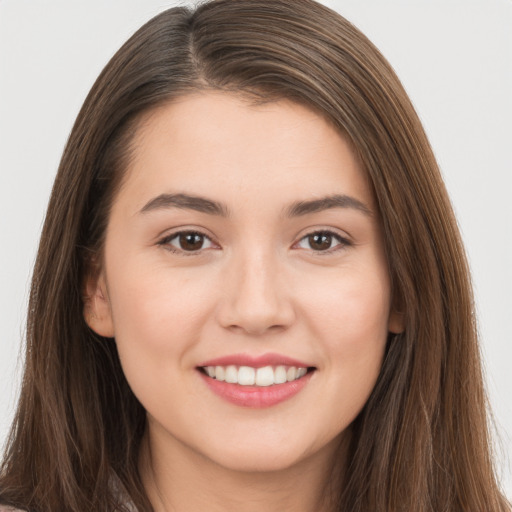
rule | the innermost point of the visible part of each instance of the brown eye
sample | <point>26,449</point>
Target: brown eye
<point>320,241</point>
<point>323,241</point>
<point>187,241</point>
<point>190,241</point>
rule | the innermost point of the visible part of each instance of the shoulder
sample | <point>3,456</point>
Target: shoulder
<point>7,508</point>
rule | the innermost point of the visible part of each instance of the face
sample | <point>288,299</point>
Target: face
<point>245,281</point>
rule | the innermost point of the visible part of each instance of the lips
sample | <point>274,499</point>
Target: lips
<point>269,359</point>
<point>260,381</point>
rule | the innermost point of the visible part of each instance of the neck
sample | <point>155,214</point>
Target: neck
<point>179,479</point>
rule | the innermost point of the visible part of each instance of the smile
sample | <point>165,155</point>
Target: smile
<point>256,382</point>
<point>249,376</point>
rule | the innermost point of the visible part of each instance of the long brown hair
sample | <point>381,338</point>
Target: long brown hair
<point>422,442</point>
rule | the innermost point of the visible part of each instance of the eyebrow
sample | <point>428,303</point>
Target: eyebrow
<point>211,207</point>
<point>186,202</point>
<point>326,203</point>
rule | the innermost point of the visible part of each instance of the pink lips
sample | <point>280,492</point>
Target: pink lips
<point>255,396</point>
<point>255,361</point>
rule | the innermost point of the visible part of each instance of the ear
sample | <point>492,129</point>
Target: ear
<point>97,310</point>
<point>396,322</point>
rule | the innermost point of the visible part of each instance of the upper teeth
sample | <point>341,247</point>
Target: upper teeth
<point>248,376</point>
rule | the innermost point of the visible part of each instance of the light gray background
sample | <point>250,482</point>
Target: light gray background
<point>453,56</point>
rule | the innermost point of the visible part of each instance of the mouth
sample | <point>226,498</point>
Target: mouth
<point>256,382</point>
<point>259,377</point>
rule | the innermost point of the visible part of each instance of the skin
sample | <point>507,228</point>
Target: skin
<point>257,284</point>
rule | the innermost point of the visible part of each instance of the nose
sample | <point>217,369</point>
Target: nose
<point>256,299</point>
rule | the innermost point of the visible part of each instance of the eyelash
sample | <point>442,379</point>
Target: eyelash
<point>166,242</point>
<point>343,242</point>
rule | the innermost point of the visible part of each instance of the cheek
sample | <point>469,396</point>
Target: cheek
<point>352,306</point>
<point>351,323</point>
<point>158,315</point>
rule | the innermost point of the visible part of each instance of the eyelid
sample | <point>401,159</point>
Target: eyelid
<point>343,239</point>
<point>164,240</point>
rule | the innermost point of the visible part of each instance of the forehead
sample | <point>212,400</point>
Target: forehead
<point>219,143</point>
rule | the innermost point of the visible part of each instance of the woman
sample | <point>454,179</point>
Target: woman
<point>255,293</point>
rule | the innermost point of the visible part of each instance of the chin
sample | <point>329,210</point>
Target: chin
<point>262,461</point>
<point>264,457</point>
